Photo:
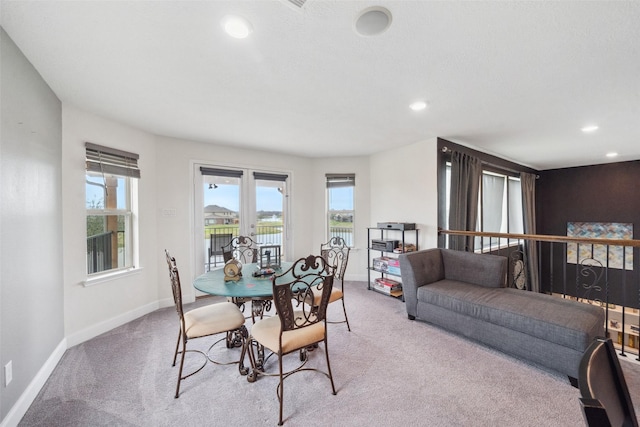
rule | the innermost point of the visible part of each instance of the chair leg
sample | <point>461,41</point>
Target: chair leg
<point>175,355</point>
<point>280,388</point>
<point>255,365</point>
<point>184,351</point>
<point>346,319</point>
<point>326,353</point>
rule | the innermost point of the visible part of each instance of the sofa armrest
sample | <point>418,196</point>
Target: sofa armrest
<point>419,269</point>
<point>479,269</point>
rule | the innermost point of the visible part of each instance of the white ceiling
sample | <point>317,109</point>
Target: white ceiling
<point>515,79</point>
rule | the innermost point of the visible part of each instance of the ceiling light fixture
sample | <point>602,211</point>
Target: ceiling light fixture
<point>373,21</point>
<point>612,154</point>
<point>588,129</point>
<point>237,26</point>
<point>418,106</point>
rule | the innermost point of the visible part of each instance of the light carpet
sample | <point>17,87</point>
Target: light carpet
<point>388,371</point>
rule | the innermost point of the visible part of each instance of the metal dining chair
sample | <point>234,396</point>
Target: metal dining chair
<point>336,253</point>
<point>245,250</point>
<point>202,322</point>
<point>293,329</point>
<point>242,248</point>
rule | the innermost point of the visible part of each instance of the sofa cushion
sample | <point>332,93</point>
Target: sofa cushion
<point>479,269</point>
<point>565,322</point>
<point>424,266</point>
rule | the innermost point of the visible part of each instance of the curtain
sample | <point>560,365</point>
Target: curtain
<point>490,213</point>
<point>528,183</point>
<point>466,172</point>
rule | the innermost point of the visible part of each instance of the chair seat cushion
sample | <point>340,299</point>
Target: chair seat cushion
<point>267,333</point>
<point>212,319</point>
<point>336,294</point>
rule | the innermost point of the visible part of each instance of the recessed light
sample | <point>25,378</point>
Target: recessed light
<point>373,21</point>
<point>237,26</point>
<point>591,128</point>
<point>418,105</point>
<point>612,154</point>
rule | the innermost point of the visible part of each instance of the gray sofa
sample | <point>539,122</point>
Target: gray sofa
<point>466,293</point>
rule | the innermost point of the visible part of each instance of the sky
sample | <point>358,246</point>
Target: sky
<point>268,198</point>
<point>95,193</point>
<point>227,196</point>
<point>342,198</point>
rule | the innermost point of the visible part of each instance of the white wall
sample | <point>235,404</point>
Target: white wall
<point>404,188</point>
<point>31,314</point>
<point>91,310</point>
<point>176,159</point>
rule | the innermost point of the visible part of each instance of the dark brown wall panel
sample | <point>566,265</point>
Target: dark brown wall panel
<point>599,193</point>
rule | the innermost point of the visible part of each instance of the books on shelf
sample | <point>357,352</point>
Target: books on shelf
<point>386,285</point>
<point>387,265</point>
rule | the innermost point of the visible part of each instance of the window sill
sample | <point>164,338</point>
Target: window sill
<point>107,277</point>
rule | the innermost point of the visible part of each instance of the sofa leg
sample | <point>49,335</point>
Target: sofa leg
<point>573,381</point>
<point>412,317</point>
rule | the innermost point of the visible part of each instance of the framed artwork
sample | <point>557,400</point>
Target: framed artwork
<point>597,254</point>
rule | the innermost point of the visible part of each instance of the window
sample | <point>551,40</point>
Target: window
<point>500,209</point>
<point>500,206</point>
<point>340,206</point>
<point>111,199</point>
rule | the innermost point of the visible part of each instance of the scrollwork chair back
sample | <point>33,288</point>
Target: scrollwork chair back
<point>336,254</point>
<point>242,248</point>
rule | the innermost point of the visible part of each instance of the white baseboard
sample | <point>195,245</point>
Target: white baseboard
<point>31,392</point>
<point>107,325</point>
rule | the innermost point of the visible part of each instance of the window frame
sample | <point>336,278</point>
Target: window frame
<point>334,181</point>
<point>505,208</point>
<point>127,173</point>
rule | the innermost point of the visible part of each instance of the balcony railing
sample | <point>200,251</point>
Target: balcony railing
<point>99,252</point>
<point>604,272</point>
<point>345,232</point>
<point>220,236</point>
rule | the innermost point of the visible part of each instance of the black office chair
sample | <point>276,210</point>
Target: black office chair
<point>605,397</point>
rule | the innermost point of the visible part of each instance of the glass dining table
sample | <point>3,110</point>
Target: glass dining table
<point>258,290</point>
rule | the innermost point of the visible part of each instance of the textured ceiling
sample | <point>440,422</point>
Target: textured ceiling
<point>515,79</point>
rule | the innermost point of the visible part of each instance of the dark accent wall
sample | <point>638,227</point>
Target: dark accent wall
<point>599,193</point>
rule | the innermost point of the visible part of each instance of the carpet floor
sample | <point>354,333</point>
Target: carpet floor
<point>388,371</point>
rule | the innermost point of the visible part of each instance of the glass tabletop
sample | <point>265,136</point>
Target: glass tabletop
<point>248,286</point>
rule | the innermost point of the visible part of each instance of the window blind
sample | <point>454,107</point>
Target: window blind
<point>335,180</point>
<point>270,176</point>
<point>108,160</point>
<point>221,172</point>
